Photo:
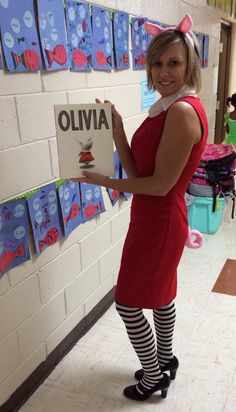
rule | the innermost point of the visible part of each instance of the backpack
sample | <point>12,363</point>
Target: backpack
<point>217,168</point>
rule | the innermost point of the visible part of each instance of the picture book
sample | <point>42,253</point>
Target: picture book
<point>84,139</point>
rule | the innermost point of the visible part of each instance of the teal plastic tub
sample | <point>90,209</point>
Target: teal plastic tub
<point>201,217</point>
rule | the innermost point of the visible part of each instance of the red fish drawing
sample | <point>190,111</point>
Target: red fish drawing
<point>85,157</point>
<point>58,54</point>
<point>29,58</point>
<point>91,209</point>
<point>8,256</point>
<point>80,58</point>
<point>115,194</point>
<point>124,59</point>
<point>74,211</point>
<point>50,238</point>
<point>102,59</point>
<point>141,60</point>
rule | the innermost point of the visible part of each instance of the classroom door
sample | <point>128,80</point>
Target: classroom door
<point>223,81</point>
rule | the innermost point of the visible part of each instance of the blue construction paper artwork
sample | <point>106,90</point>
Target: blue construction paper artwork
<point>139,43</point>
<point>200,38</point>
<point>92,201</point>
<point>113,193</point>
<point>121,39</point>
<point>102,39</point>
<point>14,248</point>
<point>205,50</point>
<point>44,215</point>
<point>69,198</point>
<point>51,21</point>
<point>19,36</point>
<point>127,195</point>
<point>79,33</point>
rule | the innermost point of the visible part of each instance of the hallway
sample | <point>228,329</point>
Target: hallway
<point>92,376</point>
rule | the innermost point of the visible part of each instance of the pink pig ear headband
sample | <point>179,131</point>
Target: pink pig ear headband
<point>183,27</point>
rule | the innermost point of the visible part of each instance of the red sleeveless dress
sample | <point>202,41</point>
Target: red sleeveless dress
<point>158,226</point>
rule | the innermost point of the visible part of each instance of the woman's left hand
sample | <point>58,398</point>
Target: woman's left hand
<point>92,178</point>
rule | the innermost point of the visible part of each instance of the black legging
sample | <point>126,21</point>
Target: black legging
<point>141,336</point>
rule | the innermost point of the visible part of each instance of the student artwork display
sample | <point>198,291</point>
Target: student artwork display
<point>92,201</point>
<point>51,22</point>
<point>200,38</point>
<point>44,216</point>
<point>121,39</point>
<point>205,50</point>
<point>102,39</point>
<point>139,43</point>
<point>19,36</point>
<point>14,248</point>
<point>70,203</point>
<point>79,32</point>
<point>1,66</point>
<point>84,139</point>
<point>113,193</point>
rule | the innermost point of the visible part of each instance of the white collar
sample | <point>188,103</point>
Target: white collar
<point>165,102</point>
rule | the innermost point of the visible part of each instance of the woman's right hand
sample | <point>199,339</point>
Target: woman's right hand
<point>117,122</point>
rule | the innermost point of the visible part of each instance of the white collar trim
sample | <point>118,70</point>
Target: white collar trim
<point>165,102</point>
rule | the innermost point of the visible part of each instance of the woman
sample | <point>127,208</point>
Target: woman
<point>164,154</point>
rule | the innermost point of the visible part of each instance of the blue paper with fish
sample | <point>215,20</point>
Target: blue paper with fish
<point>43,208</point>
<point>79,34</point>
<point>113,193</point>
<point>200,38</point>
<point>91,200</point>
<point>14,248</point>
<point>20,40</point>
<point>121,39</point>
<point>102,39</point>
<point>70,203</point>
<point>51,21</point>
<point>206,49</point>
<point>139,43</point>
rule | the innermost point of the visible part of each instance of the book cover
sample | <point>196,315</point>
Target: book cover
<point>84,139</point>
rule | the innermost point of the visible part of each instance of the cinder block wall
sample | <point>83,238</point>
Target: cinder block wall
<point>42,300</point>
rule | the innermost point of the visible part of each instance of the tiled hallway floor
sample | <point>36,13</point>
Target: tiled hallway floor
<point>92,376</point>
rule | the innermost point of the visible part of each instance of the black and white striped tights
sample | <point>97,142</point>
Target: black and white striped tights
<point>152,355</point>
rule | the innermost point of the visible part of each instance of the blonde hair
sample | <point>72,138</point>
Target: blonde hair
<point>162,41</point>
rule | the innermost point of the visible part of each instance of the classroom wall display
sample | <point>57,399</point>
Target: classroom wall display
<point>19,36</point>
<point>14,248</point>
<point>84,139</point>
<point>44,216</point>
<point>79,33</point>
<point>102,39</point>
<point>113,193</point>
<point>139,41</point>
<point>121,39</point>
<point>206,40</point>
<point>70,204</point>
<point>92,201</point>
<point>200,38</point>
<point>51,21</point>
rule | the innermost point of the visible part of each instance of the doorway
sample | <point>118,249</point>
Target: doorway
<point>223,80</point>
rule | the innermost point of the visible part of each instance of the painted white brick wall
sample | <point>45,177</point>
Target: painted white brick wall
<point>42,300</point>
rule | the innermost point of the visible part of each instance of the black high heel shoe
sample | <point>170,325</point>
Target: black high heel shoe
<point>171,366</point>
<point>132,392</point>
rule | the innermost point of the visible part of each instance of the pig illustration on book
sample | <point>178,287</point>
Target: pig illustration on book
<point>85,154</point>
